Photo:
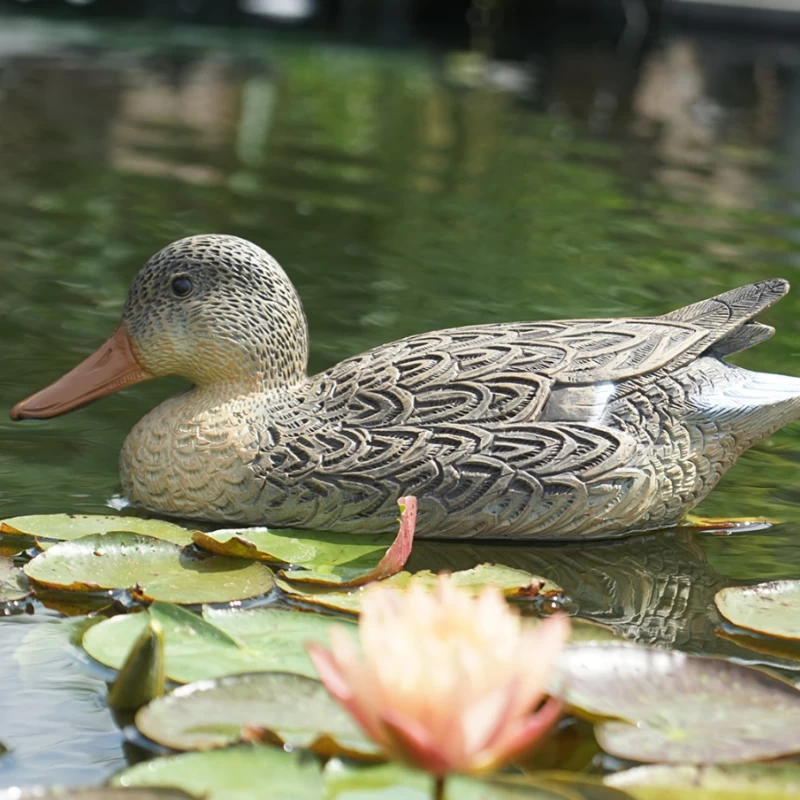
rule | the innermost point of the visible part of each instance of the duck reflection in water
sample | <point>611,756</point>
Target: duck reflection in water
<point>654,589</point>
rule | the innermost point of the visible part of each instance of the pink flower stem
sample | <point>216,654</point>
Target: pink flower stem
<point>438,789</point>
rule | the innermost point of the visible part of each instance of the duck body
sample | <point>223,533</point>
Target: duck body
<point>539,430</point>
<point>577,429</point>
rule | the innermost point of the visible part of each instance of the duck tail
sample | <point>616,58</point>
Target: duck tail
<point>755,403</point>
<point>729,316</point>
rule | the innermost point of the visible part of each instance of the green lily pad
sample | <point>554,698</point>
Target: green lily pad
<point>301,548</point>
<point>664,706</point>
<point>684,782</point>
<point>587,787</point>
<point>13,543</point>
<point>292,708</point>
<point>13,584</point>
<point>221,642</point>
<point>328,559</point>
<point>141,678</point>
<point>515,583</point>
<point>344,781</point>
<point>583,631</point>
<point>772,608</point>
<point>246,772</point>
<point>151,569</point>
<point>94,793</point>
<point>66,527</point>
<point>782,652</point>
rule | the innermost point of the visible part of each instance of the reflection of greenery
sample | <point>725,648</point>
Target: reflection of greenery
<point>396,203</point>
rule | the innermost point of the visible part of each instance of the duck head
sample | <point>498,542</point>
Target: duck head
<point>213,309</point>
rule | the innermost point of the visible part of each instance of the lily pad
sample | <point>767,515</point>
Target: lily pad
<point>772,608</point>
<point>782,652</point>
<point>515,583</point>
<point>151,569</point>
<point>676,708</point>
<point>587,787</point>
<point>13,543</point>
<point>736,782</point>
<point>141,678</point>
<point>94,793</point>
<point>298,547</point>
<point>345,781</point>
<point>246,772</point>
<point>219,643</point>
<point>583,631</point>
<point>66,527</point>
<point>329,559</point>
<point>13,584</point>
<point>292,708</point>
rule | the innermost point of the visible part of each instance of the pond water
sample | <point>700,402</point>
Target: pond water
<point>402,192</point>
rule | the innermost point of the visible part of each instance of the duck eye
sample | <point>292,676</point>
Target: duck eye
<point>181,286</point>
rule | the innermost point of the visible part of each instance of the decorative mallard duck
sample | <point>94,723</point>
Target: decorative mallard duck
<point>557,429</point>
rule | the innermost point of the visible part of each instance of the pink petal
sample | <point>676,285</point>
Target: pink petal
<point>338,684</point>
<point>394,559</point>
<point>553,634</point>
<point>329,672</point>
<point>494,710</point>
<point>415,745</point>
<point>520,737</point>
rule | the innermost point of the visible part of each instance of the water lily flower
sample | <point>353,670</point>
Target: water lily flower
<point>445,680</point>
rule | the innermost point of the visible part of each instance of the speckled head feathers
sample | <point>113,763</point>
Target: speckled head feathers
<point>217,308</point>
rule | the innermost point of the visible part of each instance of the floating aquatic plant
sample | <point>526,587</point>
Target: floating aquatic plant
<point>142,677</point>
<point>218,643</point>
<point>669,707</point>
<point>48,528</point>
<point>514,583</point>
<point>325,559</point>
<point>276,707</point>
<point>769,608</point>
<point>13,584</point>
<point>149,569</point>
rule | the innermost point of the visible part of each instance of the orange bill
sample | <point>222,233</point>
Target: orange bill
<point>110,368</point>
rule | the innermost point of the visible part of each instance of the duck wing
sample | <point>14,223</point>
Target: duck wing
<point>499,428</point>
<point>728,318</point>
<point>503,374</point>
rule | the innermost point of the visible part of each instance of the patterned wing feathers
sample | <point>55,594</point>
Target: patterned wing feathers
<point>725,315</point>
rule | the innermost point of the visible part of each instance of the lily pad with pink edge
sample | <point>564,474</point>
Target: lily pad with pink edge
<point>325,559</point>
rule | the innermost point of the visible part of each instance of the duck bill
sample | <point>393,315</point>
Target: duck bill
<point>110,368</point>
